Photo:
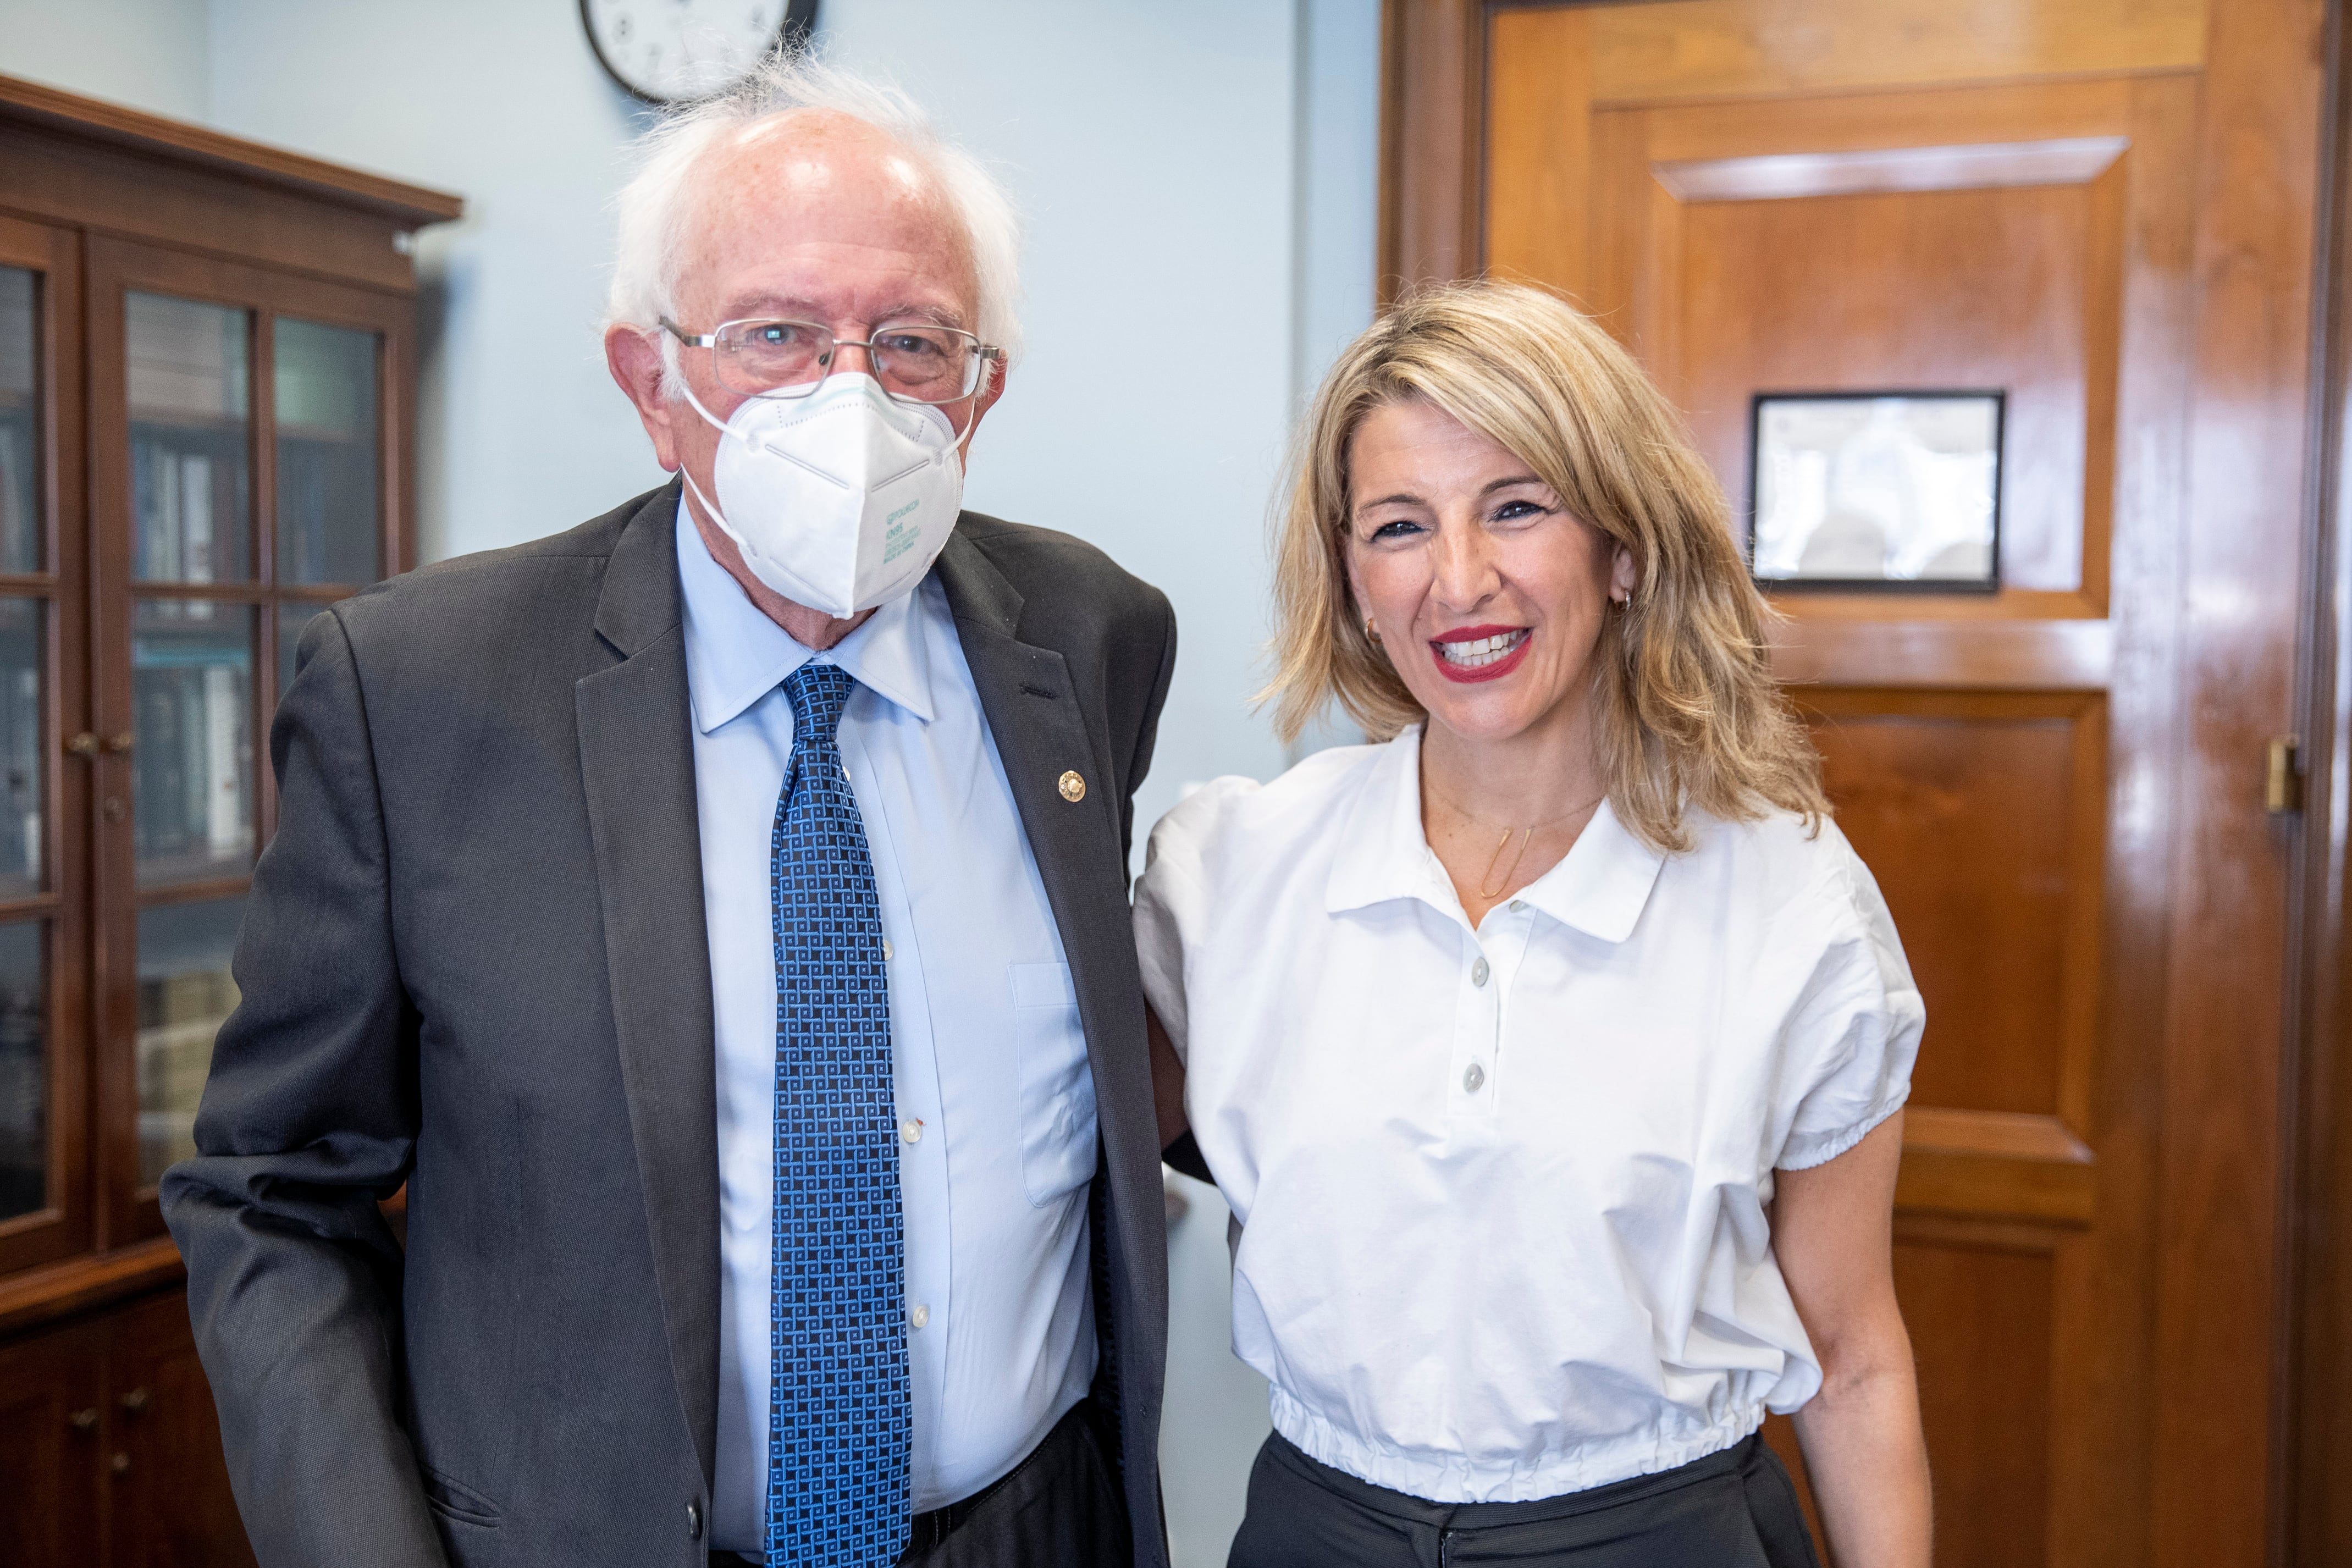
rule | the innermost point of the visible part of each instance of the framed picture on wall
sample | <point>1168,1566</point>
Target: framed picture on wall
<point>1875,492</point>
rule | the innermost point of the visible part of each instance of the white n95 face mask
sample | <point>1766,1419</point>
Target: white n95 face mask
<point>839,500</point>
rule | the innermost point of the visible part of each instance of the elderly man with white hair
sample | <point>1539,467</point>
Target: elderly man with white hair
<point>715,916</point>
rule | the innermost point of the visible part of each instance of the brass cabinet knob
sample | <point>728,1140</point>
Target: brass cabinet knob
<point>83,1420</point>
<point>121,743</point>
<point>83,745</point>
<point>135,1401</point>
<point>120,1463</point>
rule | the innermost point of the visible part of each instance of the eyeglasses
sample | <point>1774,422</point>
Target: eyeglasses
<point>914,361</point>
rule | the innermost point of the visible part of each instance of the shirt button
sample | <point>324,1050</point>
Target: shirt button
<point>1479,972</point>
<point>886,951</point>
<point>911,1132</point>
<point>1519,904</point>
<point>693,1521</point>
<point>919,1315</point>
<point>1472,1076</point>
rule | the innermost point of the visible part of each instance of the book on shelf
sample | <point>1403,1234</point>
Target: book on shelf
<point>174,492</point>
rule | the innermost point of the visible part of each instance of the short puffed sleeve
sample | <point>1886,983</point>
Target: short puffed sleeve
<point>1856,1029</point>
<point>1171,899</point>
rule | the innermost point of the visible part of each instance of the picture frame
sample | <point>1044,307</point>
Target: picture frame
<point>1875,491</point>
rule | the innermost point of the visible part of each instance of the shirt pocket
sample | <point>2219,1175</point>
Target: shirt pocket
<point>1057,1091</point>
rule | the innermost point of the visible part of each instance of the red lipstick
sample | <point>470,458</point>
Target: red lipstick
<point>1513,653</point>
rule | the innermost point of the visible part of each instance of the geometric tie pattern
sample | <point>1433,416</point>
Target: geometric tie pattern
<point>840,1414</point>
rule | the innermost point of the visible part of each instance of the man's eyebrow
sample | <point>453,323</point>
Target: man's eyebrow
<point>752,305</point>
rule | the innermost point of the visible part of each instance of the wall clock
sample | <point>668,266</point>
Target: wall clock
<point>676,51</point>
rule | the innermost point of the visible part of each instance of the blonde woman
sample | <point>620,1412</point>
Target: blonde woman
<point>1551,1051</point>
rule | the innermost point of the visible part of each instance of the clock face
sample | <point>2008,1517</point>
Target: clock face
<point>674,51</point>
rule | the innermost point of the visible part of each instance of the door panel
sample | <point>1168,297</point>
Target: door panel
<point>243,425</point>
<point>52,1432</point>
<point>2101,209</point>
<point>44,1192</point>
<point>169,1503</point>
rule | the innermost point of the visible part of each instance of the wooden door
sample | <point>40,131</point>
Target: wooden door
<point>247,434</point>
<point>2101,210</point>
<point>52,1440</point>
<point>168,1503</point>
<point>45,1190</point>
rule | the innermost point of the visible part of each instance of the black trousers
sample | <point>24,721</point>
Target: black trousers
<point>1732,1510</point>
<point>1062,1504</point>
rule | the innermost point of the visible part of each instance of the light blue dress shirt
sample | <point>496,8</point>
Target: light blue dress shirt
<point>995,1103</point>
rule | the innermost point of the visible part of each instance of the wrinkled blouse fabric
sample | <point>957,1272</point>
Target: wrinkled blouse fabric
<point>1502,1191</point>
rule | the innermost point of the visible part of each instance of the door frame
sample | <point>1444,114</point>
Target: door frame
<point>2314,1339</point>
<point>2246,1135</point>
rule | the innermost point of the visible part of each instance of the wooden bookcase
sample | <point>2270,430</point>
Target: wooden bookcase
<point>207,385</point>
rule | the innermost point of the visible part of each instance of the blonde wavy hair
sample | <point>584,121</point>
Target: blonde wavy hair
<point>1688,714</point>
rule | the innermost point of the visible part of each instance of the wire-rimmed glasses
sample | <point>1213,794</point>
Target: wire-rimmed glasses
<point>915,362</point>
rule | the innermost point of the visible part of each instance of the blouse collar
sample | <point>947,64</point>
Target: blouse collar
<point>1599,887</point>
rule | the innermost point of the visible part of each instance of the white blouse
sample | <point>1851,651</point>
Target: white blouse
<point>1502,1190</point>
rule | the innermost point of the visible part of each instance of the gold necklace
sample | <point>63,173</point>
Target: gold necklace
<point>1526,835</point>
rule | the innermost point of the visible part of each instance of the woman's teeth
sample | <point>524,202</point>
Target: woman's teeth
<point>1484,651</point>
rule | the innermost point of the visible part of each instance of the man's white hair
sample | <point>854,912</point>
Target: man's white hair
<point>653,207</point>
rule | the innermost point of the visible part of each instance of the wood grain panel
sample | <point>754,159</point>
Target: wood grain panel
<point>1957,288</point>
<point>2222,1046</point>
<point>1993,114</point>
<point>1538,153</point>
<point>169,1498</point>
<point>50,1462</point>
<point>60,180</point>
<point>2019,654</point>
<point>1433,80</point>
<point>1971,166</point>
<point>1972,811</point>
<point>1727,48</point>
<point>2320,1429</point>
<point>1982,1322</point>
<point>1997,1165</point>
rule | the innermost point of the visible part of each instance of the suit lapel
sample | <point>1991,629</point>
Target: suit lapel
<point>637,759</point>
<point>1041,733</point>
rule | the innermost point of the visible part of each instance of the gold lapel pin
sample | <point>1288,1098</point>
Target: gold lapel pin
<point>1073,788</point>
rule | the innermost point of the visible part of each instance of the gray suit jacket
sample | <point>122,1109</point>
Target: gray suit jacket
<point>474,962</point>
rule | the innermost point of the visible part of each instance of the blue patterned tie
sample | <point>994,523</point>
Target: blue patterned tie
<point>839,1427</point>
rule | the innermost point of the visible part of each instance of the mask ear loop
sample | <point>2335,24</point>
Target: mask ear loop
<point>683,473</point>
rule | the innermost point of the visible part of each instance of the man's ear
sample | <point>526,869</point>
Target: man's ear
<point>635,359</point>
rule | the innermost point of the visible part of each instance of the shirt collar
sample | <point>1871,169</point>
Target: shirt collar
<point>735,655</point>
<point>1599,887</point>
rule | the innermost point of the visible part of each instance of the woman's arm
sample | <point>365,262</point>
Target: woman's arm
<point>1167,1081</point>
<point>1833,1232</point>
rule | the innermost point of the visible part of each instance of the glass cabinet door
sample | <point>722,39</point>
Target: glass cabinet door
<point>43,1071</point>
<point>24,1056</point>
<point>254,458</point>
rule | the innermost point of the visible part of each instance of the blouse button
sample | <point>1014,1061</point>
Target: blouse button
<point>919,1315</point>
<point>911,1132</point>
<point>1478,977</point>
<point>1472,1076</point>
<point>1519,904</point>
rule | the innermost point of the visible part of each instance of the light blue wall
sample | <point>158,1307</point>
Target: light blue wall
<point>150,54</point>
<point>1200,175</point>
